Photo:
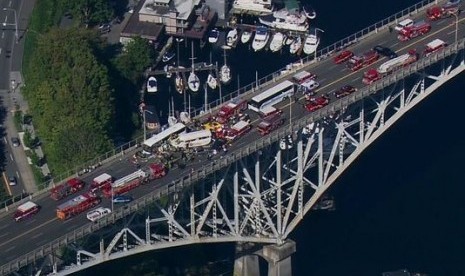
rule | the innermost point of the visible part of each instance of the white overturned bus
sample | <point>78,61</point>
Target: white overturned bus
<point>158,139</point>
<point>193,139</point>
<point>272,96</point>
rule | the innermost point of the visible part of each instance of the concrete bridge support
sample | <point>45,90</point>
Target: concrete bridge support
<point>279,258</point>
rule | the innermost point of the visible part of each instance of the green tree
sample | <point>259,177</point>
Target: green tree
<point>137,57</point>
<point>28,140</point>
<point>70,98</point>
<point>90,12</point>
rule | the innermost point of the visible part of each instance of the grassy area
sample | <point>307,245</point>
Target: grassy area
<point>18,119</point>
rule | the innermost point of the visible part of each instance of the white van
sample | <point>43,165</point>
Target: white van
<point>404,23</point>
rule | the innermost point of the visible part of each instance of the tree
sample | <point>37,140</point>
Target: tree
<point>70,98</point>
<point>90,12</point>
<point>137,57</point>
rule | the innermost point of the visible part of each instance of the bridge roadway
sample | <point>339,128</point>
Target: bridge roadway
<point>17,239</point>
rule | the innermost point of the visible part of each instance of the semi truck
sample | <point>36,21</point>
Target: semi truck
<point>389,66</point>
<point>77,205</point>
<point>26,210</point>
<point>69,187</point>
<point>417,29</point>
<point>367,58</point>
<point>230,110</point>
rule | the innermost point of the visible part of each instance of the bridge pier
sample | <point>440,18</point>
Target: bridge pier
<point>277,256</point>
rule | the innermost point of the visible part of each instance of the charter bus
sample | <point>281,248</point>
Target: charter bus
<point>193,139</point>
<point>272,96</point>
<point>156,140</point>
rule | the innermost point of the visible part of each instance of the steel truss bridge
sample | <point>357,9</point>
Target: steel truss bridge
<point>259,193</point>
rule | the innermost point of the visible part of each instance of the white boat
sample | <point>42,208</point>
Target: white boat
<point>261,7</point>
<point>211,81</point>
<point>246,35</point>
<point>168,56</point>
<point>286,19</point>
<point>276,42</point>
<point>261,38</point>
<point>179,83</point>
<point>295,45</point>
<point>309,12</point>
<point>225,72</point>
<point>213,36</point>
<point>311,43</point>
<point>168,69</point>
<point>231,37</point>
<point>152,85</point>
<point>193,82</point>
<point>289,39</point>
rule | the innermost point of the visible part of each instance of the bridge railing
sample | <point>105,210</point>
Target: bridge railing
<point>245,91</point>
<point>184,182</point>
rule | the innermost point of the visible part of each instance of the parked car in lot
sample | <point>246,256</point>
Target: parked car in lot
<point>98,213</point>
<point>344,91</point>
<point>385,51</point>
<point>122,199</point>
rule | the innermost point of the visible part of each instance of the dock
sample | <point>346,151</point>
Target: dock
<point>199,66</point>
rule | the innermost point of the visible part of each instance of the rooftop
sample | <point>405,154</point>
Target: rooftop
<point>183,7</point>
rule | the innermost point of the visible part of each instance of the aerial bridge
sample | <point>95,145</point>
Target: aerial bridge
<point>259,191</point>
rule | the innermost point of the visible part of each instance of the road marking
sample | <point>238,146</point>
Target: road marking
<point>17,173</point>
<point>27,232</point>
<point>2,235</point>
<point>0,53</point>
<point>37,235</point>
<point>6,19</point>
<point>11,157</point>
<point>7,184</point>
<point>9,4</point>
<point>3,35</point>
<point>9,249</point>
<point>4,138</point>
<point>449,33</point>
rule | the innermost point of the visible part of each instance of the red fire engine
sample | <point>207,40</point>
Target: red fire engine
<point>69,187</point>
<point>417,29</point>
<point>77,205</point>
<point>231,109</point>
<point>270,123</point>
<point>367,58</point>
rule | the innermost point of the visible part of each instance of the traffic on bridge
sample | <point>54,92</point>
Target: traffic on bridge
<point>161,159</point>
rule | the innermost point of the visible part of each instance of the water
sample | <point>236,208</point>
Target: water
<point>400,205</point>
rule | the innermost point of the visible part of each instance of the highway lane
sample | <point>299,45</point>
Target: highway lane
<point>19,238</point>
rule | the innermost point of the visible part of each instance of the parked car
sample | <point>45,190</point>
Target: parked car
<point>15,141</point>
<point>98,213</point>
<point>122,199</point>
<point>385,51</point>
<point>12,180</point>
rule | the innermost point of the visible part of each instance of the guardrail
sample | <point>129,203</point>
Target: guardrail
<point>184,182</point>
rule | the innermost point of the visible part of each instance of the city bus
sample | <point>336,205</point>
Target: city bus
<point>193,139</point>
<point>272,96</point>
<point>156,140</point>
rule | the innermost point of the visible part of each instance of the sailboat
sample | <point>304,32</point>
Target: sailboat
<point>179,83</point>
<point>211,80</point>
<point>193,82</point>
<point>225,71</point>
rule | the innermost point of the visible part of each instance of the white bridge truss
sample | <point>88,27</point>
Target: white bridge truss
<point>263,197</point>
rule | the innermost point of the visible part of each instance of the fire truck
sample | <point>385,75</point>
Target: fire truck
<point>389,66</point>
<point>236,131</point>
<point>101,181</point>
<point>417,29</point>
<point>447,10</point>
<point>434,46</point>
<point>270,123</point>
<point>26,210</point>
<point>134,180</point>
<point>77,205</point>
<point>69,187</point>
<point>231,109</point>
<point>367,58</point>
